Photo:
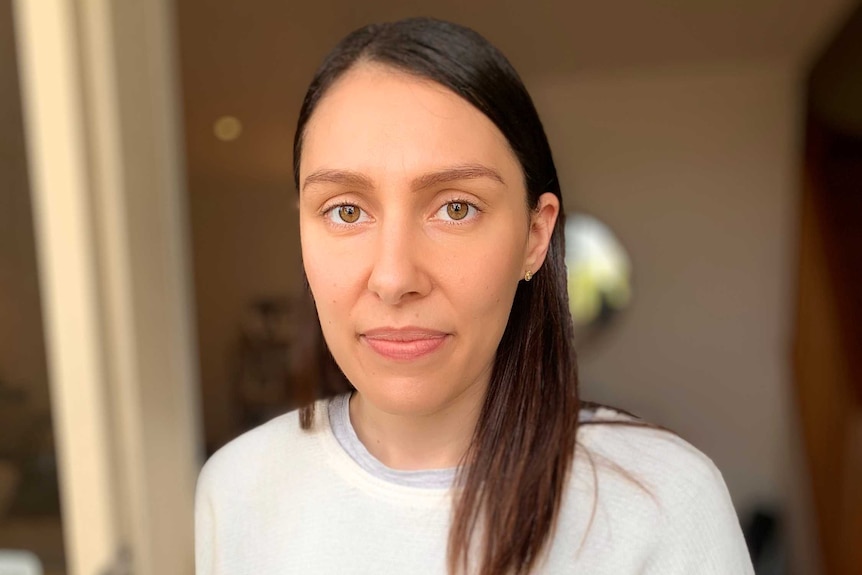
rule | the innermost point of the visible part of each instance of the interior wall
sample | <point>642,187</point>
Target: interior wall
<point>246,245</point>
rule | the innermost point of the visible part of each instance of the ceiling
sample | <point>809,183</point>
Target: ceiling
<point>253,60</point>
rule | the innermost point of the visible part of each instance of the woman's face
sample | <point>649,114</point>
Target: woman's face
<point>415,233</point>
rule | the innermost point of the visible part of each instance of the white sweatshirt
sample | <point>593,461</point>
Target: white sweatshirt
<point>281,500</point>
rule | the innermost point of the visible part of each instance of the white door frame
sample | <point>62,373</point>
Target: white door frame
<point>102,126</point>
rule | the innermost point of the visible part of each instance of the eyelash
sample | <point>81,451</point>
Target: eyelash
<point>329,212</point>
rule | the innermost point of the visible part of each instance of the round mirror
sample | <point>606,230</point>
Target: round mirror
<point>599,276</point>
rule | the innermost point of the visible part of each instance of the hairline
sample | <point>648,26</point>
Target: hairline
<point>369,60</point>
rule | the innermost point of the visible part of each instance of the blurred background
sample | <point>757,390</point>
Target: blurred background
<point>710,155</point>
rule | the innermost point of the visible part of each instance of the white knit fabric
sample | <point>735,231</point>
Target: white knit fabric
<point>281,500</point>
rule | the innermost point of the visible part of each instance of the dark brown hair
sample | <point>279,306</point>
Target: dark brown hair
<point>510,483</point>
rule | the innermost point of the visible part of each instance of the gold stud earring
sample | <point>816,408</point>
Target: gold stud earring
<point>528,276</point>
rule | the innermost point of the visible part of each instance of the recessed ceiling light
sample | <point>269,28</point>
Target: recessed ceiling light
<point>227,128</point>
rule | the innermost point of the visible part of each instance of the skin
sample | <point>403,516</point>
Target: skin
<point>413,301</point>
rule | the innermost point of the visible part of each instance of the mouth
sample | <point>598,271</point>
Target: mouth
<point>404,344</point>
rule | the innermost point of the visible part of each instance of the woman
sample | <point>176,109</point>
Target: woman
<point>432,241</point>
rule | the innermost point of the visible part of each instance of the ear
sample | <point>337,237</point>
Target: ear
<point>542,222</point>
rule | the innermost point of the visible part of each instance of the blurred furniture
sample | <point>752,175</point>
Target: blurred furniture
<point>28,471</point>
<point>19,563</point>
<point>263,383</point>
<point>766,543</point>
<point>40,535</point>
<point>9,479</point>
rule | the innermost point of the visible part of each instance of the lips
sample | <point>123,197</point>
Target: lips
<point>404,344</point>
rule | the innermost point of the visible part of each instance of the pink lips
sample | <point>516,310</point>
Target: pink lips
<point>404,344</point>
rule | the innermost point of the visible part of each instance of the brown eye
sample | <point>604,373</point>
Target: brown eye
<point>348,214</point>
<point>457,210</point>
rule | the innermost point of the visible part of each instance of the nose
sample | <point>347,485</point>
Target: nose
<point>398,272</point>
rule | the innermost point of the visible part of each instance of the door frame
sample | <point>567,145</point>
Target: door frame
<point>101,118</point>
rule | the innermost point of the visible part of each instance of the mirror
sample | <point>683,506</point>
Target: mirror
<point>599,276</point>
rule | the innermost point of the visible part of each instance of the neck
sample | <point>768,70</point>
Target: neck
<point>437,440</point>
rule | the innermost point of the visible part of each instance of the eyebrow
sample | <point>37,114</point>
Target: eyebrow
<point>455,174</point>
<point>341,177</point>
<point>352,179</point>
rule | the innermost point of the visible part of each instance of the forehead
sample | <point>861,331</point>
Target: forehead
<point>379,120</point>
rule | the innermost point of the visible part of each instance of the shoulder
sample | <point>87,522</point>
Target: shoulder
<point>618,442</point>
<point>660,490</point>
<point>266,451</point>
<point>241,489</point>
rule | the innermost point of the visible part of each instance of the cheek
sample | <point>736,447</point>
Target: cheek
<point>331,299</point>
<point>486,278</point>
<point>333,274</point>
<point>326,256</point>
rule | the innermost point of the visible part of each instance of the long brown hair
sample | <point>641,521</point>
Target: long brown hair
<point>509,486</point>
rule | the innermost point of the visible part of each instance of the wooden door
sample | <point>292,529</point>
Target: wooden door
<point>828,340</point>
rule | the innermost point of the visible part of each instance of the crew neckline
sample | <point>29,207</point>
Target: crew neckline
<point>342,438</point>
<point>345,434</point>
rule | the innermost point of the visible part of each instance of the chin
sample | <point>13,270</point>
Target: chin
<point>408,397</point>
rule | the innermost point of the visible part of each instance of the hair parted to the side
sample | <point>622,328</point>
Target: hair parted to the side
<point>510,483</point>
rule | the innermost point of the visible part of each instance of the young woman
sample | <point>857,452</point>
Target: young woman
<point>432,241</point>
